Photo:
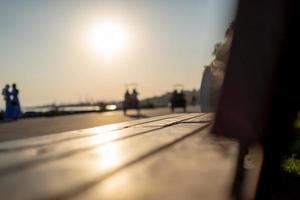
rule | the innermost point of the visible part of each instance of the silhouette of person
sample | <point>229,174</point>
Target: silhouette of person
<point>182,100</point>
<point>173,99</point>
<point>126,102</point>
<point>16,107</point>
<point>182,95</point>
<point>174,96</point>
<point>178,100</point>
<point>135,99</point>
<point>8,104</point>
<point>134,96</point>
<point>126,96</point>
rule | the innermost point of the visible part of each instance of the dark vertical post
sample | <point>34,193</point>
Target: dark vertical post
<point>259,96</point>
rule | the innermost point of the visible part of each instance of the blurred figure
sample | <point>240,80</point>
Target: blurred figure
<point>173,99</point>
<point>178,100</point>
<point>131,101</point>
<point>174,96</point>
<point>182,100</point>
<point>8,114</point>
<point>127,96</point>
<point>135,100</point>
<point>126,101</point>
<point>16,107</point>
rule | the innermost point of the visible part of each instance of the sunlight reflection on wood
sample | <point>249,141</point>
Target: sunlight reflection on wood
<point>109,155</point>
<point>103,129</point>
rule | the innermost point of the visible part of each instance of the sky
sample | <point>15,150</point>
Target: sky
<point>45,46</point>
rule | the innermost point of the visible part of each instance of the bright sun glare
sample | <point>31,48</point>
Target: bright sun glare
<point>107,38</point>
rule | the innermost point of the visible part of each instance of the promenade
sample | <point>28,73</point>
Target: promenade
<point>50,125</point>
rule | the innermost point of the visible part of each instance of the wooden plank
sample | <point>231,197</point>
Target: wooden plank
<point>170,121</point>
<point>62,177</point>
<point>53,138</point>
<point>197,168</point>
<point>15,160</point>
<point>208,117</point>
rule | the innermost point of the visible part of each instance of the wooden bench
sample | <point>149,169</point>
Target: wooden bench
<point>165,157</point>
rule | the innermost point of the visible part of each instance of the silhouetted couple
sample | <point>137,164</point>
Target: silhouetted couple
<point>178,100</point>
<point>131,101</point>
<point>12,103</point>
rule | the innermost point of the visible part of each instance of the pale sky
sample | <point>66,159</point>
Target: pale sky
<point>44,46</point>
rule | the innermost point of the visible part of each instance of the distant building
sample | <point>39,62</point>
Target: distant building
<point>213,75</point>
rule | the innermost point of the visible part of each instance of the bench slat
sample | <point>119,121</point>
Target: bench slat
<point>171,121</point>
<point>12,161</point>
<point>50,139</point>
<point>83,169</point>
<point>209,117</point>
<point>196,168</point>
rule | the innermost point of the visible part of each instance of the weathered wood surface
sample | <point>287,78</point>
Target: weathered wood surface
<point>166,157</point>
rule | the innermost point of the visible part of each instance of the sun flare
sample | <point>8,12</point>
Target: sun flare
<point>107,38</point>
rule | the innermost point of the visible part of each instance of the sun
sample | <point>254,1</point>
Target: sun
<point>107,38</point>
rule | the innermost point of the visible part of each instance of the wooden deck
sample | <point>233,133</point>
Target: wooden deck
<point>166,157</point>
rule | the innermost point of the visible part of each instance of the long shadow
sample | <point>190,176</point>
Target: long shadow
<point>7,121</point>
<point>137,116</point>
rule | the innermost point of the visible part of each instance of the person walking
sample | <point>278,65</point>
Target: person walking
<point>135,100</point>
<point>16,107</point>
<point>8,104</point>
<point>126,102</point>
